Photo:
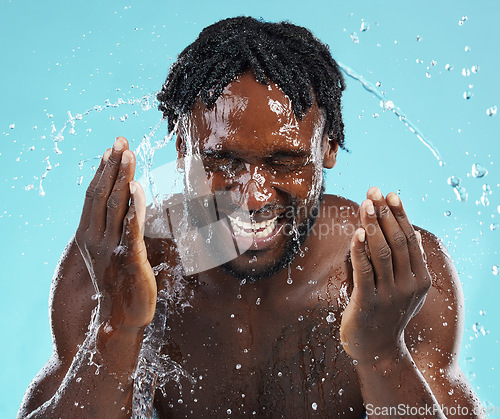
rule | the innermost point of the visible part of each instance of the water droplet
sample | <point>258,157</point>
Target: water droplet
<point>387,105</point>
<point>79,180</point>
<point>29,187</point>
<point>314,406</point>
<point>364,26</point>
<point>475,68</point>
<point>428,75</point>
<point>238,366</point>
<point>494,227</point>
<point>301,318</point>
<point>463,20</point>
<point>461,194</point>
<point>354,362</point>
<point>12,126</point>
<point>448,67</point>
<point>378,84</point>
<point>468,94</point>
<point>491,111</point>
<point>478,171</point>
<point>495,269</point>
<point>280,373</point>
<point>465,72</point>
<point>479,328</point>
<point>484,200</point>
<point>355,37</point>
<point>289,281</point>
<point>331,317</point>
<point>228,411</point>
<point>376,115</point>
<point>482,312</point>
<point>433,62</point>
<point>447,213</point>
<point>419,38</point>
<point>257,301</point>
<point>454,181</point>
<point>467,48</point>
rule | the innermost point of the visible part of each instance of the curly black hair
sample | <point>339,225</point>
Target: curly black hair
<point>285,54</point>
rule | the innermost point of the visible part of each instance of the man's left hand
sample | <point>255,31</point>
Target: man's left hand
<point>390,278</point>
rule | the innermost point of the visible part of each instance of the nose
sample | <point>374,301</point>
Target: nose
<point>254,189</point>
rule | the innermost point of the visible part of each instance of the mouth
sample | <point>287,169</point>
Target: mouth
<point>250,229</point>
<point>256,235</point>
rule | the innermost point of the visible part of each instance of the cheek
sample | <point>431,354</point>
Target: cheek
<point>299,184</point>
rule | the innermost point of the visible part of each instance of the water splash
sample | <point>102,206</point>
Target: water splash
<point>389,105</point>
<point>145,153</point>
<point>58,135</point>
<point>155,367</point>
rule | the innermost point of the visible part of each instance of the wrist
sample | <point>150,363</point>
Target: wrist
<point>117,348</point>
<point>384,361</point>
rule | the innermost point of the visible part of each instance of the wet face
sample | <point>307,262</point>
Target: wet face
<point>265,168</point>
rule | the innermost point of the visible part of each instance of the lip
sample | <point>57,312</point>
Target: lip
<point>252,241</point>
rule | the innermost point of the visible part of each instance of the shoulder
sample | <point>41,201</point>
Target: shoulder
<point>344,206</point>
<point>437,328</point>
<point>341,214</point>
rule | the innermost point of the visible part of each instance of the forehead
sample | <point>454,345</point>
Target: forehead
<point>249,111</point>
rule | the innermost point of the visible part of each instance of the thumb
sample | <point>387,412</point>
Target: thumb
<point>133,223</point>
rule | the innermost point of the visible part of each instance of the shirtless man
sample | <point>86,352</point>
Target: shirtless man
<point>360,317</point>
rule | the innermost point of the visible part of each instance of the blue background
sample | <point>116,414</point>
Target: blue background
<point>59,57</point>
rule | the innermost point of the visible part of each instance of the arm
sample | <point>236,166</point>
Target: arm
<point>391,281</point>
<point>71,307</point>
<point>435,333</point>
<point>110,261</point>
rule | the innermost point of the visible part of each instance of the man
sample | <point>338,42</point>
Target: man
<point>363,317</point>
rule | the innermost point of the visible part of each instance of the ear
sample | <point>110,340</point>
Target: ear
<point>180,144</point>
<point>330,149</point>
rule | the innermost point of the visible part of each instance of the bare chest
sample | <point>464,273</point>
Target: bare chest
<point>260,362</point>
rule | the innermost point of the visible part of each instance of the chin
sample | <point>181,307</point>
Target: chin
<point>255,265</point>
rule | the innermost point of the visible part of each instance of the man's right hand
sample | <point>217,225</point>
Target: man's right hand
<point>111,240</point>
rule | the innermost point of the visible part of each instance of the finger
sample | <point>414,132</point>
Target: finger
<point>104,187</point>
<point>393,234</point>
<point>380,252</point>
<point>417,262</point>
<point>89,194</point>
<point>133,223</point>
<point>363,280</point>
<point>117,204</point>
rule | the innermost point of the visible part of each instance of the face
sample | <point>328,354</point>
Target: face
<point>265,168</point>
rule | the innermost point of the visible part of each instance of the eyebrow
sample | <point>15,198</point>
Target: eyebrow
<point>290,153</point>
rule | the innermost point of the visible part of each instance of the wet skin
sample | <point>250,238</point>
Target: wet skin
<point>270,347</point>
